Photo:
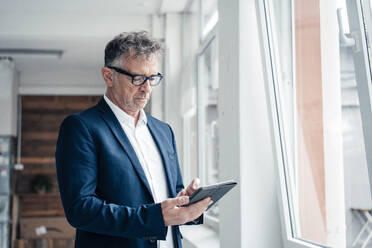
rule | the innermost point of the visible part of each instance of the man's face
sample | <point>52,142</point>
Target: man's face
<point>129,97</point>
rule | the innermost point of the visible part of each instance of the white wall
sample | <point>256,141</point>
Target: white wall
<point>172,96</point>
<point>249,215</point>
<point>8,98</point>
<point>157,96</point>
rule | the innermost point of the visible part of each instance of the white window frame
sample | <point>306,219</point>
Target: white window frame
<point>186,143</point>
<point>210,221</point>
<point>205,235</point>
<point>271,63</point>
<point>364,86</point>
<point>200,112</point>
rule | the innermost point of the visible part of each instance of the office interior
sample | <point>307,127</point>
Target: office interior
<point>273,94</point>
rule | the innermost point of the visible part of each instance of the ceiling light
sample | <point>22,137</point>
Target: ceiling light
<point>29,51</point>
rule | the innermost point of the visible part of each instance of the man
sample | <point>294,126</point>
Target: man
<point>117,167</point>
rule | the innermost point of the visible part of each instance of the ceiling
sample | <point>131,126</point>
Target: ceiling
<point>82,6</point>
<point>79,28</point>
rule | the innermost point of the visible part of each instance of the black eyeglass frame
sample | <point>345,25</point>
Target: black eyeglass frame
<point>121,71</point>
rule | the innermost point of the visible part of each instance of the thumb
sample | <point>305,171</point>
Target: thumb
<point>182,193</point>
<point>196,183</point>
<point>178,201</point>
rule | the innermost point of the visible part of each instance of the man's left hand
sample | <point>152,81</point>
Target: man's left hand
<point>193,186</point>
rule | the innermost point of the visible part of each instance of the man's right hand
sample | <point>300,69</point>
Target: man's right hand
<point>173,214</point>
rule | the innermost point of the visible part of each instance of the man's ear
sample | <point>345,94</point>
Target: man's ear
<point>108,76</point>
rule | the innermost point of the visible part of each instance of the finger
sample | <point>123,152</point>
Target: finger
<point>198,208</point>
<point>203,204</point>
<point>189,191</point>
<point>182,193</point>
<point>195,183</point>
<point>178,201</point>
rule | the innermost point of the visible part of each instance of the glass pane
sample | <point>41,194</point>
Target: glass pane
<point>309,192</point>
<point>208,116</point>
<point>321,125</point>
<point>358,193</point>
<point>193,148</point>
<point>190,147</point>
<point>365,88</point>
<point>367,18</point>
<point>209,16</point>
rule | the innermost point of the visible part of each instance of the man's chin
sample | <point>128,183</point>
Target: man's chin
<point>141,105</point>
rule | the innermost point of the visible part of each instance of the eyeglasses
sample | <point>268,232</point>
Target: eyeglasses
<point>139,79</point>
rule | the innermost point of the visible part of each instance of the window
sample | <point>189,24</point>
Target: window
<point>199,89</point>
<point>199,107</point>
<point>360,19</point>
<point>207,91</point>
<point>319,114</point>
<point>190,153</point>
<point>209,16</point>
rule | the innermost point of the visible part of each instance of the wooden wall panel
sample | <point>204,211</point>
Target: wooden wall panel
<point>41,119</point>
<point>41,205</point>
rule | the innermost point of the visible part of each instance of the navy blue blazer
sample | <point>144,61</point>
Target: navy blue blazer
<point>104,190</point>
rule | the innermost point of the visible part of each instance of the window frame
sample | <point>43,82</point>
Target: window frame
<point>270,65</point>
<point>212,36</point>
<point>186,117</point>
<point>210,221</point>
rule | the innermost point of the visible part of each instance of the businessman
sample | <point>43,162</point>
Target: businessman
<point>117,167</point>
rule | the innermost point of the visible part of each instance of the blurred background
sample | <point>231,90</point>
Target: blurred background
<point>273,94</point>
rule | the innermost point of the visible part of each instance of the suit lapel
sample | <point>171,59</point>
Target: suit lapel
<point>120,135</point>
<point>159,137</point>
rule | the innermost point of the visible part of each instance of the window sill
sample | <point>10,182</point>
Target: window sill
<point>199,236</point>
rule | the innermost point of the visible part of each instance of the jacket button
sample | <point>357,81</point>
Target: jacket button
<point>152,240</point>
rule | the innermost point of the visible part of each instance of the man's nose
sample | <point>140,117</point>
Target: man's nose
<point>146,86</point>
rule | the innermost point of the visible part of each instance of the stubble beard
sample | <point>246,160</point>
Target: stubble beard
<point>134,105</point>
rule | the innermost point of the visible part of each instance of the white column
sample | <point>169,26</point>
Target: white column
<point>249,215</point>
<point>8,97</point>
<point>172,94</point>
<point>157,97</point>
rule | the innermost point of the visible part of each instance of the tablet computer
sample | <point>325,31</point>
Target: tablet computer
<point>215,192</point>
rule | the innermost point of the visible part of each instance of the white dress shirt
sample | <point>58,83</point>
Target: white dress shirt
<point>148,155</point>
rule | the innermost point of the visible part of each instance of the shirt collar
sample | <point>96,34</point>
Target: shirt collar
<point>124,117</point>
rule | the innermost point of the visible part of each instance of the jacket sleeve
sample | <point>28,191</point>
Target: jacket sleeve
<point>77,172</point>
<point>179,185</point>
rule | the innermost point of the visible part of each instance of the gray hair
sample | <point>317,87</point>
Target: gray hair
<point>132,45</point>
